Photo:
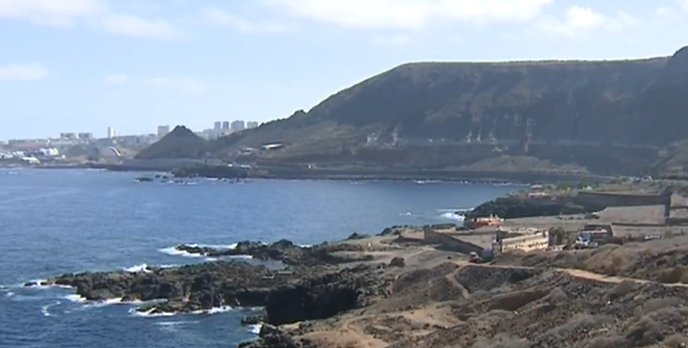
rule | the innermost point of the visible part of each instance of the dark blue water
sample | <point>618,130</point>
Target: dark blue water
<point>58,221</point>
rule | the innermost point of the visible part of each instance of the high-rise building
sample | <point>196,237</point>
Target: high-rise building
<point>217,126</point>
<point>225,125</point>
<point>111,133</point>
<point>238,126</point>
<point>163,131</point>
<point>251,124</point>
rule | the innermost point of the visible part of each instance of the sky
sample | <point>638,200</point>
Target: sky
<point>84,65</point>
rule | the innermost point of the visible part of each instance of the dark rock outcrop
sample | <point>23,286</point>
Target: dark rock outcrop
<point>309,289</point>
<point>271,337</point>
<point>511,207</point>
<point>282,250</point>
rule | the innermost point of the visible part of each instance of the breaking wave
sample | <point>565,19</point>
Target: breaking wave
<point>255,328</point>
<point>214,310</point>
<point>176,323</point>
<point>150,313</point>
<point>138,268</point>
<point>45,309</point>
<point>452,214</point>
<point>76,298</point>
<point>176,252</point>
<point>43,285</point>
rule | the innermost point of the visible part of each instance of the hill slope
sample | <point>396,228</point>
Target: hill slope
<point>180,143</point>
<point>605,116</point>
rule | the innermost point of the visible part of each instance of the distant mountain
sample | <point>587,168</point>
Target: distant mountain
<point>605,117</point>
<point>180,143</point>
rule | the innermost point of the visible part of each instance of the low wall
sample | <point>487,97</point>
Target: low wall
<point>448,242</point>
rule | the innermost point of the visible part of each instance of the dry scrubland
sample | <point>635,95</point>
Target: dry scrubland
<point>613,296</point>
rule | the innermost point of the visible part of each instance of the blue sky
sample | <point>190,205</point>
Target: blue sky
<point>84,65</point>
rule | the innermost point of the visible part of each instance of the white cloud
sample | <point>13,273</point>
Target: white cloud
<point>580,22</point>
<point>130,25</point>
<point>51,12</point>
<point>226,19</point>
<point>96,13</point>
<point>179,84</point>
<point>411,14</point>
<point>24,72</point>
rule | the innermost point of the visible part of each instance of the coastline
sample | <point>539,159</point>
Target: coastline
<point>365,174</point>
<point>395,289</point>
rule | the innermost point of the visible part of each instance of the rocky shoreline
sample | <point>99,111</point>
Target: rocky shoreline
<point>311,285</point>
<point>398,289</point>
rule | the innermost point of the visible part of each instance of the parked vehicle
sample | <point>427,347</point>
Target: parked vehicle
<point>473,257</point>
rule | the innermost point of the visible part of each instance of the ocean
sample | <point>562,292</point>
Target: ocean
<point>63,221</point>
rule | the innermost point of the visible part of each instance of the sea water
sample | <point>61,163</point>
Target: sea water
<point>63,221</point>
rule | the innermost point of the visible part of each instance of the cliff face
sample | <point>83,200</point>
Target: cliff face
<point>605,116</point>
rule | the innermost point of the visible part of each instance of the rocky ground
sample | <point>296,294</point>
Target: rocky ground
<point>394,291</point>
<point>439,300</point>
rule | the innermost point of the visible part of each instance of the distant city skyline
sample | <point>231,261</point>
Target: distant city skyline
<point>85,65</point>
<point>159,131</point>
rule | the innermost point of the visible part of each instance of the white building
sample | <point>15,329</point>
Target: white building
<point>163,131</point>
<point>238,126</point>
<point>251,124</point>
<point>111,133</point>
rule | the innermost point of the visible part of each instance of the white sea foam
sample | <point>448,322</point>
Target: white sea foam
<point>42,284</point>
<point>423,182</point>
<point>173,326</point>
<point>406,213</point>
<point>214,310</point>
<point>108,302</point>
<point>245,257</point>
<point>138,268</point>
<point>176,252</point>
<point>45,309</point>
<point>453,216</point>
<point>176,323</point>
<point>76,298</point>
<point>452,213</point>
<point>169,266</point>
<point>255,328</point>
<point>149,313</point>
<point>9,294</point>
